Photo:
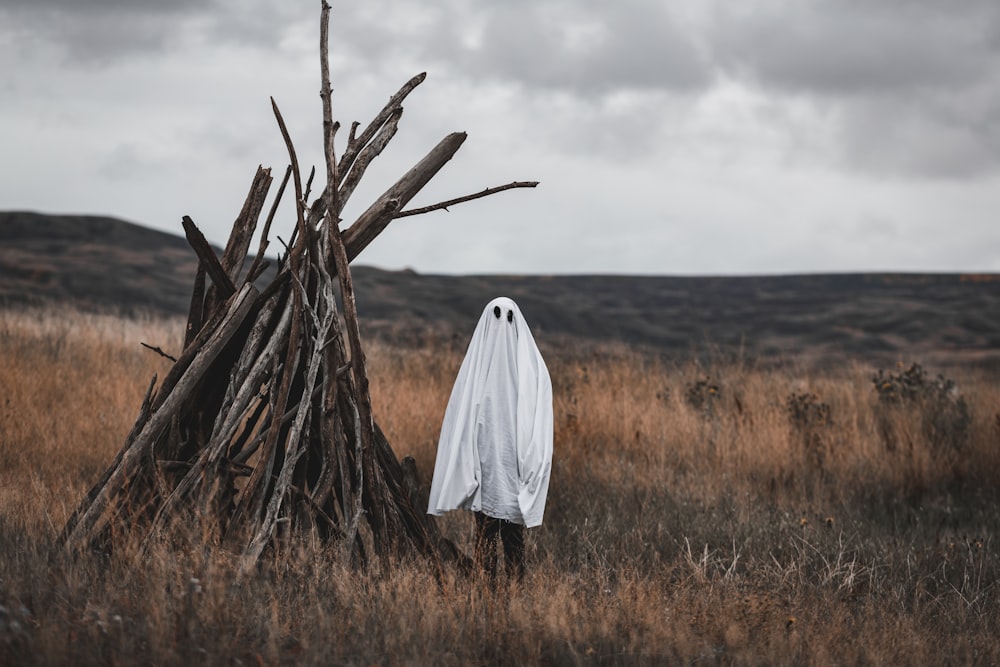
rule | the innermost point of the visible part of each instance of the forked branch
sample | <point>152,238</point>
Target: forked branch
<point>357,143</point>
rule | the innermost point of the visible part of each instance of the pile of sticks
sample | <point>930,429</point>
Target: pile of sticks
<point>263,428</point>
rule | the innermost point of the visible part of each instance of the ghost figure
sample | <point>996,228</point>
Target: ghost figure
<point>494,454</point>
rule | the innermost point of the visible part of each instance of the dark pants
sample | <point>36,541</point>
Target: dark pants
<point>488,532</point>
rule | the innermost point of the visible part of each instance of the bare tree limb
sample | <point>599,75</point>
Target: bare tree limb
<point>158,351</point>
<point>354,147</point>
<point>458,200</point>
<point>253,496</point>
<point>238,308</point>
<point>258,261</point>
<point>217,272</point>
<point>309,183</point>
<point>144,412</point>
<point>365,423</point>
<point>296,174</point>
<point>295,448</point>
<point>371,223</point>
<point>239,240</point>
<point>368,153</point>
<point>329,127</point>
<point>195,306</point>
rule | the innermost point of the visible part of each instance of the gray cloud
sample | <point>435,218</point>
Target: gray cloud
<point>911,86</point>
<point>95,31</point>
<point>88,33</point>
<point>90,6</point>
<point>693,136</point>
<point>906,88</point>
<point>586,48</point>
<point>837,47</point>
<point>936,135</point>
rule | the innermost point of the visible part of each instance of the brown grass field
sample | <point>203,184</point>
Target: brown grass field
<point>730,514</point>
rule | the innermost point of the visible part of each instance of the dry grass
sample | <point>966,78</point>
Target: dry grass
<point>691,519</point>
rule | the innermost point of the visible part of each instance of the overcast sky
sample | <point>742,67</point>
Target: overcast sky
<point>680,137</point>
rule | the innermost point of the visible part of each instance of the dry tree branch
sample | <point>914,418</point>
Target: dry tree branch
<point>296,174</point>
<point>253,497</point>
<point>364,425</point>
<point>258,262</point>
<point>213,265</point>
<point>329,127</point>
<point>374,220</point>
<point>159,351</point>
<point>230,417</point>
<point>195,306</point>
<point>357,143</point>
<point>239,240</point>
<point>458,200</point>
<point>239,306</point>
<point>294,449</point>
<point>368,153</point>
<point>356,511</point>
<point>140,423</point>
<point>309,183</point>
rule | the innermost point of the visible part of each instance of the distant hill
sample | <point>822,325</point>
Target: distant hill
<point>93,262</point>
<point>104,263</point>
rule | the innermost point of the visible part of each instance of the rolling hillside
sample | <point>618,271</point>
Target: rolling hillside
<point>104,263</point>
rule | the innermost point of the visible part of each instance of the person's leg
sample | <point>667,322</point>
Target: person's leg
<point>512,535</point>
<point>487,536</point>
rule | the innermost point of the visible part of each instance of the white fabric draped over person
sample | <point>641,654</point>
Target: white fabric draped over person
<point>495,451</point>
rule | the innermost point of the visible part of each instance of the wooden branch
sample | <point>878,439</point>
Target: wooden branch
<point>239,307</point>
<point>332,441</point>
<point>329,128</point>
<point>458,200</point>
<point>212,264</point>
<point>244,455</point>
<point>191,350</point>
<point>301,229</point>
<point>253,497</point>
<point>364,423</point>
<point>230,416</point>
<point>258,262</point>
<point>252,500</point>
<point>356,510</point>
<point>239,240</point>
<point>295,448</point>
<point>309,183</point>
<point>140,422</point>
<point>158,351</point>
<point>268,330</point>
<point>369,153</point>
<point>196,306</point>
<point>354,147</point>
<point>371,223</point>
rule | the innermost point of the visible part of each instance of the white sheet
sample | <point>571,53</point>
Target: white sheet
<point>495,450</point>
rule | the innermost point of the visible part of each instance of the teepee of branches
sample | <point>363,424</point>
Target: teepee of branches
<point>263,427</point>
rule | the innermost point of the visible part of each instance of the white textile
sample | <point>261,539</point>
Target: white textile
<point>495,451</point>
